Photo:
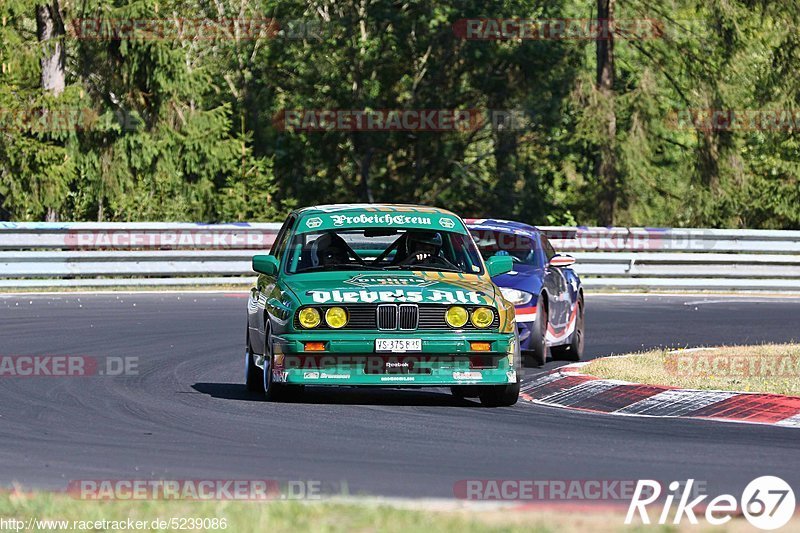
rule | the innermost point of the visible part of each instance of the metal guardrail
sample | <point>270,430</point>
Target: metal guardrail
<point>153,254</point>
<point>683,259</point>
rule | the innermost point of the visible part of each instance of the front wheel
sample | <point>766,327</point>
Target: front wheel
<point>276,392</point>
<point>253,375</point>
<point>272,391</point>
<point>500,395</point>
<point>574,350</point>
<point>538,351</point>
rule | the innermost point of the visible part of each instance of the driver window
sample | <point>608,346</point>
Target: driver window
<point>283,235</point>
<point>549,251</point>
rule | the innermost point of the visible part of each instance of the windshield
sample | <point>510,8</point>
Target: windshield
<point>383,249</point>
<point>521,248</point>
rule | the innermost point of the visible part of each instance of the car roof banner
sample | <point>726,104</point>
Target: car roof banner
<point>317,222</point>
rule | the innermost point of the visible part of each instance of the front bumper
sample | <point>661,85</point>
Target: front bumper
<point>350,359</point>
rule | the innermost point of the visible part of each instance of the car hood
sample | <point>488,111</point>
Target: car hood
<point>393,287</point>
<point>523,277</point>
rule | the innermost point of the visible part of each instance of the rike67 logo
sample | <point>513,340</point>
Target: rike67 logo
<point>768,503</point>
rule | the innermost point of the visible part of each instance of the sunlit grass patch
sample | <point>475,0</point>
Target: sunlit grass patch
<point>769,368</point>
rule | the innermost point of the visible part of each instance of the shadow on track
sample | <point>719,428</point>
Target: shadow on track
<point>343,396</point>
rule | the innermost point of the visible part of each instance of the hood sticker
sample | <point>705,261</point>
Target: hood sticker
<point>397,296</point>
<point>384,280</point>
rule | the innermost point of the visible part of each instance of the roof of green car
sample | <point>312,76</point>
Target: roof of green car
<point>372,208</point>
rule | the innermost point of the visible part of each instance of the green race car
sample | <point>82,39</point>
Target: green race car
<point>380,295</point>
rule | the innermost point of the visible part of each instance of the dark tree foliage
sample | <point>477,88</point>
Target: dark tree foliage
<point>101,122</point>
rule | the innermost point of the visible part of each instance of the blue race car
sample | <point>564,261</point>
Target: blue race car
<point>546,292</point>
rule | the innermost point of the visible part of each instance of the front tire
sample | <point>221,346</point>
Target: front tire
<point>272,391</point>
<point>538,351</point>
<point>574,350</point>
<point>253,376</point>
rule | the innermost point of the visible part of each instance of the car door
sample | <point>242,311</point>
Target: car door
<point>556,285</point>
<point>265,288</point>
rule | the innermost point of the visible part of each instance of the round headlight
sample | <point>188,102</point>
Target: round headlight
<point>336,317</point>
<point>309,317</point>
<point>456,316</point>
<point>482,317</point>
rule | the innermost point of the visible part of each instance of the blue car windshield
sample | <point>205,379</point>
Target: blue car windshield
<point>521,248</point>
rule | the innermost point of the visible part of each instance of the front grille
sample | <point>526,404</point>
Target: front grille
<point>409,316</point>
<point>361,317</point>
<point>387,316</point>
<point>432,317</point>
<point>405,317</point>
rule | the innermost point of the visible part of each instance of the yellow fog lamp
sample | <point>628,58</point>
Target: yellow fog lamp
<point>482,317</point>
<point>456,316</point>
<point>309,317</point>
<point>336,317</point>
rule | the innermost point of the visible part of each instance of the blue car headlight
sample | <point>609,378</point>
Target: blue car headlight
<point>516,297</point>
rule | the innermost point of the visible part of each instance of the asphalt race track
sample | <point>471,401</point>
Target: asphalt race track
<point>187,415</point>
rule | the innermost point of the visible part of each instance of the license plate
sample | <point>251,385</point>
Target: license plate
<point>398,345</point>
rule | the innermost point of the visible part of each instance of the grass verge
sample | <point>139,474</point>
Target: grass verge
<point>44,511</point>
<point>47,511</point>
<point>769,368</point>
<point>58,512</point>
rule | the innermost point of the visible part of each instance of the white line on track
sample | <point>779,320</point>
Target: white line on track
<point>742,300</point>
<point>792,422</point>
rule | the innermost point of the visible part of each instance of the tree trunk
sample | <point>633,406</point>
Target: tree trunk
<point>4,214</point>
<point>505,151</point>
<point>50,32</point>
<point>605,159</point>
<point>365,161</point>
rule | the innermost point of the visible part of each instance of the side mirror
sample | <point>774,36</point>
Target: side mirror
<point>559,260</point>
<point>265,264</point>
<point>499,264</point>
